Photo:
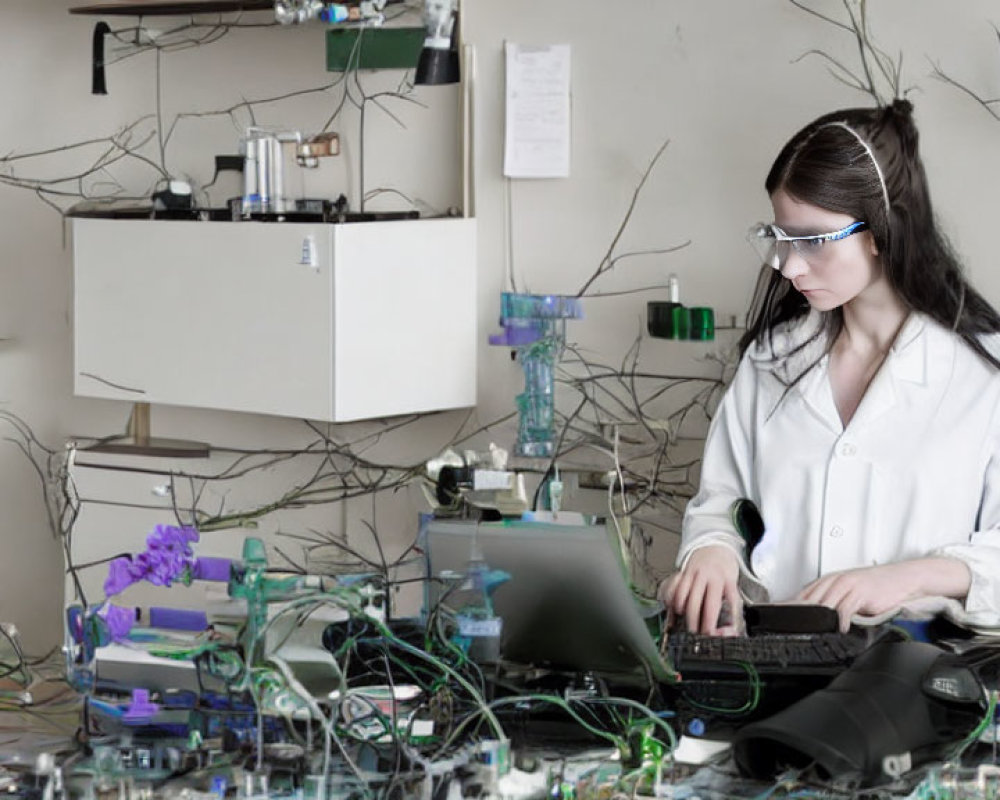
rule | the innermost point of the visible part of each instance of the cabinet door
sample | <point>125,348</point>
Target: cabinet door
<point>404,317</point>
<point>210,314</point>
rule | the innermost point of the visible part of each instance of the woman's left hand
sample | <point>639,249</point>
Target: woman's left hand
<point>876,590</point>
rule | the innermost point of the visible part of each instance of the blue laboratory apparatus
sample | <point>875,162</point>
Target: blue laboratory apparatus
<point>535,326</point>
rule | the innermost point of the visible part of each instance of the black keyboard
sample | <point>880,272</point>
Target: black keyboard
<point>767,653</point>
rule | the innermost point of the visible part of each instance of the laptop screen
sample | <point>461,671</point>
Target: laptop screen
<point>567,604</point>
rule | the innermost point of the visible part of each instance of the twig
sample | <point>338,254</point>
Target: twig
<point>607,263</point>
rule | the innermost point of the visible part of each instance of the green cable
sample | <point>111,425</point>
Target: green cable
<point>976,732</point>
<point>653,717</point>
<point>749,705</point>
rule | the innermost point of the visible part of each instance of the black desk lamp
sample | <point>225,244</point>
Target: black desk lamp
<point>438,62</point>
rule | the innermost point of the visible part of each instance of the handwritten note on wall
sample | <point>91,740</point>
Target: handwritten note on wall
<point>537,134</point>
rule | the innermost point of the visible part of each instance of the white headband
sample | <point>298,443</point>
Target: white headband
<point>871,155</point>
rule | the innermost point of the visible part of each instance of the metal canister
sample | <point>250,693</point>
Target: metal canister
<point>263,173</point>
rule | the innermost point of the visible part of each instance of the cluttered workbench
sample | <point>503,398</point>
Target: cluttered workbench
<point>301,686</point>
<point>45,754</point>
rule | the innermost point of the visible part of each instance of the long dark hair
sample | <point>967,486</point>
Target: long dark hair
<point>864,162</point>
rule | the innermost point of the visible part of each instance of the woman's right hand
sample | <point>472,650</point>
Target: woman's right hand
<point>708,584</point>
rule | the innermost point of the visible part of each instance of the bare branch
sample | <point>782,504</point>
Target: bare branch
<point>878,69</point>
<point>607,262</point>
<point>986,104</point>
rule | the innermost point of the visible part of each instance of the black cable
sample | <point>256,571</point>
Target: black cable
<point>22,663</point>
<point>549,473</point>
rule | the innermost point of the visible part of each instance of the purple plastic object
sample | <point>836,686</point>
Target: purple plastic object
<point>516,336</point>
<point>178,619</point>
<point>211,569</point>
<point>140,710</point>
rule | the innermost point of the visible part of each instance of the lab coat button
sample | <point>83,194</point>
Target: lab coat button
<point>847,449</point>
<point>836,532</point>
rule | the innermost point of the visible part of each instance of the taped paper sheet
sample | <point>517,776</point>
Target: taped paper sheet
<point>537,131</point>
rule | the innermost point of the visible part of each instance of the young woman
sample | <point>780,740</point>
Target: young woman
<point>864,418</point>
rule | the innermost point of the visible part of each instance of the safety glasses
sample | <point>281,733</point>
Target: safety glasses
<point>773,245</point>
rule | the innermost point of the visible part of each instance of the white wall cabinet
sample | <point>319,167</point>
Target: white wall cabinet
<point>319,321</point>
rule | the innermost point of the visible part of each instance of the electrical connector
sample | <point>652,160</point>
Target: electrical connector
<point>490,479</point>
<point>555,493</point>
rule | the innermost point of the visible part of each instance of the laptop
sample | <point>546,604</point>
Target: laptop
<point>567,605</point>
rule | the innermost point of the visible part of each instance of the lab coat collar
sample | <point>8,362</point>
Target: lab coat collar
<point>908,355</point>
<point>920,343</point>
<point>796,353</point>
<point>818,394</point>
<point>789,336</point>
<point>907,361</point>
<point>789,351</point>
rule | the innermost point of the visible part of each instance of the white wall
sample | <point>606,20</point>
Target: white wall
<point>715,77</point>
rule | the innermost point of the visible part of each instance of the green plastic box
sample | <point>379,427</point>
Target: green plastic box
<point>373,48</point>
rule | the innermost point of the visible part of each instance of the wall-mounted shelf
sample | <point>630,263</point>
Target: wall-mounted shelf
<point>331,322</point>
<point>162,8</point>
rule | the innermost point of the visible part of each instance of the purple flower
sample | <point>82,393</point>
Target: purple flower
<point>172,539</point>
<point>120,576</point>
<point>119,621</point>
<point>168,557</point>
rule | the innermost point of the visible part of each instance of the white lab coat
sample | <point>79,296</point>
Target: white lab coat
<point>916,472</point>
